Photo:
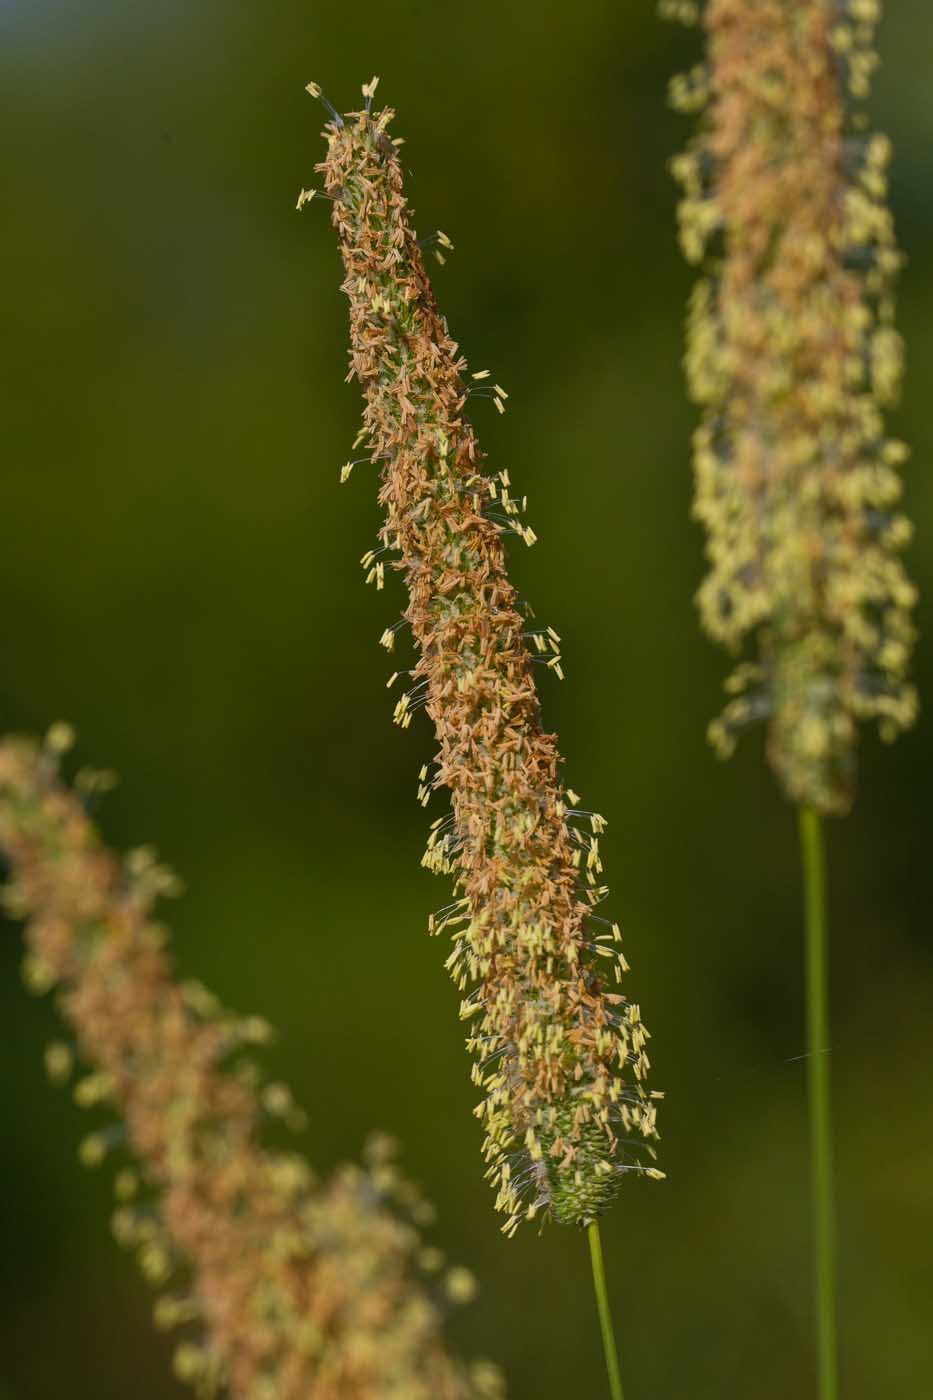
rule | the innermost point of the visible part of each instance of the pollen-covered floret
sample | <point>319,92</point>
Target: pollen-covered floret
<point>792,353</point>
<point>560,1048</point>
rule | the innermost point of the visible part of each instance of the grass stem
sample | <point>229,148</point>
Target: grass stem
<point>605,1313</point>
<point>821,1147</point>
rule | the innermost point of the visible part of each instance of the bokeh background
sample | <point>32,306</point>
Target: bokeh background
<point>179,578</point>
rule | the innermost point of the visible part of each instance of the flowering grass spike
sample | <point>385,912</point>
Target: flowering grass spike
<point>288,1288</point>
<point>792,354</point>
<point>560,1047</point>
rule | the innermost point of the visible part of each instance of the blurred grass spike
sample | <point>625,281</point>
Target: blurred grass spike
<point>792,355</point>
<point>296,1289</point>
<point>560,1048</point>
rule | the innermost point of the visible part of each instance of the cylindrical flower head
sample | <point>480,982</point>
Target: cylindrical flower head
<point>296,1290</point>
<point>560,1047</point>
<point>792,353</point>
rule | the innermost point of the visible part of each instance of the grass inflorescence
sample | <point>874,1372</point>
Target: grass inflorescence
<point>559,1044</point>
<point>283,1286</point>
<point>792,354</point>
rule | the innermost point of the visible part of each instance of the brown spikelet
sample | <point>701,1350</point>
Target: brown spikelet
<point>792,354</point>
<point>561,1048</point>
<point>296,1289</point>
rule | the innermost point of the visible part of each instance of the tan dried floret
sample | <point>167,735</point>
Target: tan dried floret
<point>296,1289</point>
<point>561,1049</point>
<point>792,353</point>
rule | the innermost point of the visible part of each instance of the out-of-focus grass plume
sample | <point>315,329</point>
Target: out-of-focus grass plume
<point>285,1288</point>
<point>793,355</point>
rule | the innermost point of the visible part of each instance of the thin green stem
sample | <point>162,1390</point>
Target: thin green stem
<point>605,1314</point>
<point>821,1145</point>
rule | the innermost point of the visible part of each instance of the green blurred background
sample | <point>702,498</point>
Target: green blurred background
<point>179,578</point>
